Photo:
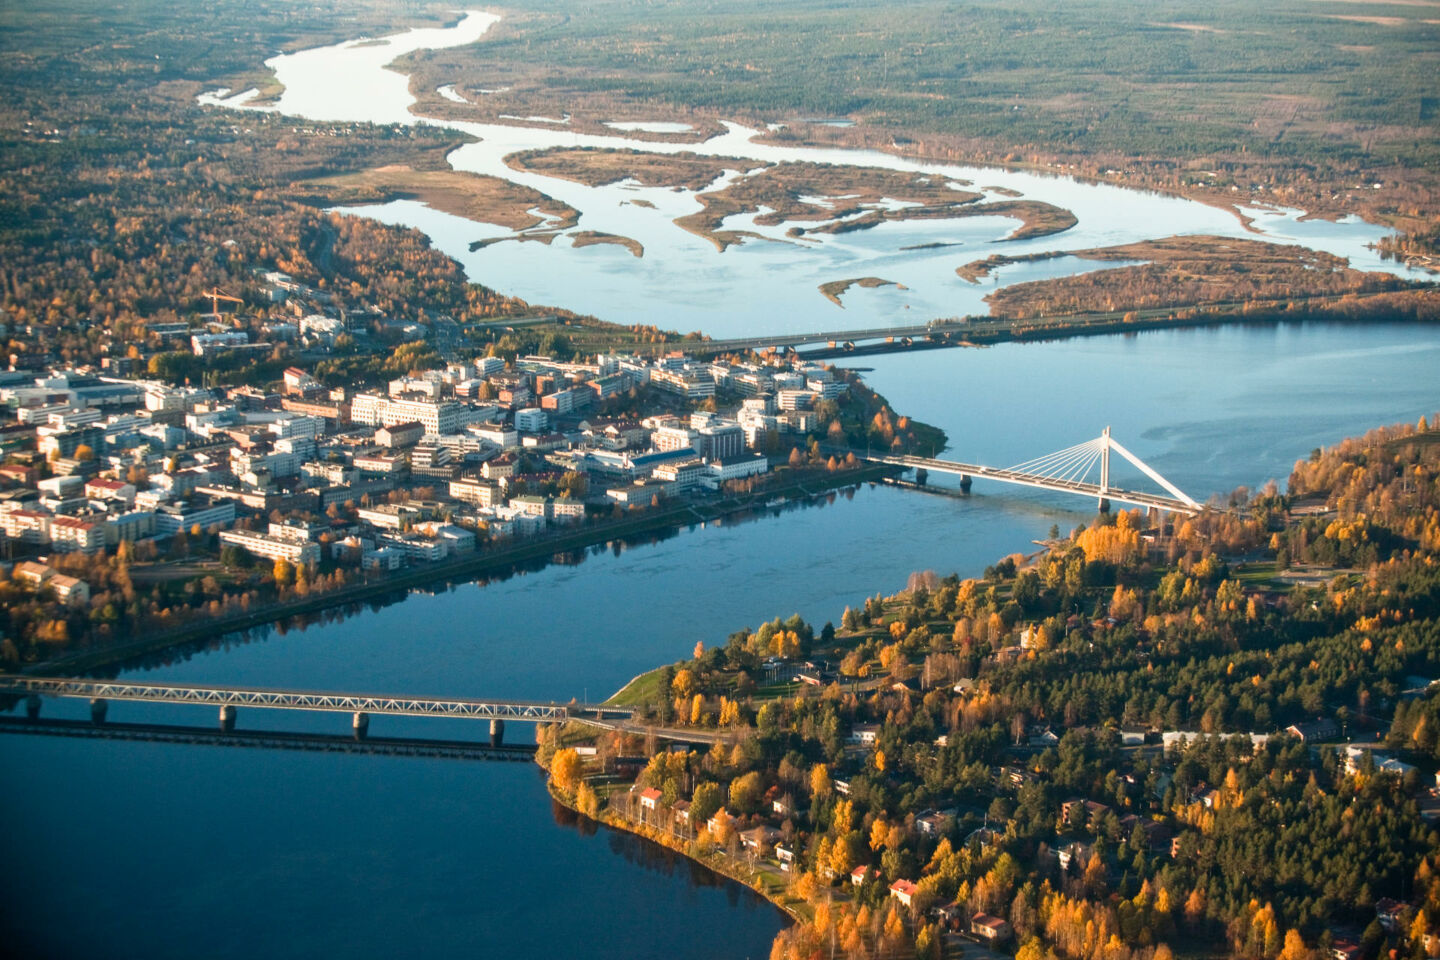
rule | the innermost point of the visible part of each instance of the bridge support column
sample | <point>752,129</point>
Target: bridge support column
<point>922,476</point>
<point>32,706</point>
<point>964,483</point>
<point>497,732</point>
<point>360,725</point>
<point>227,717</point>
<point>97,710</point>
<point>1104,504</point>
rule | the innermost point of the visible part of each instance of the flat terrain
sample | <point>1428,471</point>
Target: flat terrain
<point>587,238</point>
<point>1176,271</point>
<point>597,168</point>
<point>835,289</point>
<point>1300,101</point>
<point>469,195</point>
<point>839,198</point>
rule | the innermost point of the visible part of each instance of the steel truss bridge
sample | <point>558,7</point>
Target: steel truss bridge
<point>361,705</point>
<point>1067,471</point>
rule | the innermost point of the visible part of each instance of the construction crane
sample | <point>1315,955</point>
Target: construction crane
<point>216,295</point>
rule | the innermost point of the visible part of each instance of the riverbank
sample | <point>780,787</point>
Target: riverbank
<point>768,883</point>
<point>651,522</point>
<point>1411,306</point>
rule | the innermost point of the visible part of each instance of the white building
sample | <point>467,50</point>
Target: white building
<point>531,420</point>
<point>273,548</point>
<point>210,344</point>
<point>71,534</point>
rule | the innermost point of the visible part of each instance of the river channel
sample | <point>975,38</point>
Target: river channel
<point>157,850</point>
<point>683,282</point>
<point>190,850</point>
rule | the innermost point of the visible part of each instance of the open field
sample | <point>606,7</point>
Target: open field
<point>469,195</point>
<point>839,199</point>
<point>596,168</point>
<point>1177,271</point>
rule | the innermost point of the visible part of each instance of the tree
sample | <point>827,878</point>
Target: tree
<point>1294,948</point>
<point>683,686</point>
<point>587,801</point>
<point>284,572</point>
<point>745,792</point>
<point>565,769</point>
<point>820,785</point>
<point>705,802</point>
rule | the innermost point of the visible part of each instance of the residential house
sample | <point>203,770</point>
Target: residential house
<point>904,891</point>
<point>70,591</point>
<point>1314,731</point>
<point>989,928</point>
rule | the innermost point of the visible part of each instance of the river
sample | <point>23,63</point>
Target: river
<point>183,851</point>
<point>684,282</point>
<point>145,849</point>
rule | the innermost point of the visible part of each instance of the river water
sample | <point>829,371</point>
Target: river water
<point>683,282</point>
<point>145,849</point>
<point>184,851</point>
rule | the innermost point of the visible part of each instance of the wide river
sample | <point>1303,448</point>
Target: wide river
<point>155,850</point>
<point>760,286</point>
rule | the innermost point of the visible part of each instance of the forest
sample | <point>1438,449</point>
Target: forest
<point>997,778</point>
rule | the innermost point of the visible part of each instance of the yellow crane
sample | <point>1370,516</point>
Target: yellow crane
<point>216,295</point>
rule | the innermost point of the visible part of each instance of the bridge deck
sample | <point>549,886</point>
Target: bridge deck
<point>299,700</point>
<point>976,470</point>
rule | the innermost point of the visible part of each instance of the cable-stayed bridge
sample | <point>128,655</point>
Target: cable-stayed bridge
<point>1068,471</point>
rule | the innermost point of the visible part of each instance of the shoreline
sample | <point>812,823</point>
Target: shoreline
<point>465,570</point>
<point>608,818</point>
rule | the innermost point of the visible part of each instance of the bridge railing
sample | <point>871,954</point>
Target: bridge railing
<point>495,709</point>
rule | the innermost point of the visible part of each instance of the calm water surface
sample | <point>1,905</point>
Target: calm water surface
<point>185,851</point>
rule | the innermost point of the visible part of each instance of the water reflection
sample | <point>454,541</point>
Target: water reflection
<point>641,852</point>
<point>615,548</point>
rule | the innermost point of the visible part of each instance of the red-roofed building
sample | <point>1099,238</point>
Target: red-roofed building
<point>70,535</point>
<point>904,891</point>
<point>99,489</point>
<point>862,873</point>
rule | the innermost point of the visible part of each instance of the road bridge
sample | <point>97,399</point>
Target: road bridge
<point>1066,471</point>
<point>905,335</point>
<point>361,706</point>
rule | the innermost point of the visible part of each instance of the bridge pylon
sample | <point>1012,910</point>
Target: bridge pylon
<point>1068,471</point>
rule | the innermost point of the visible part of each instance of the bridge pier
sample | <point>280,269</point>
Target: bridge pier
<point>97,710</point>
<point>360,725</point>
<point>227,717</point>
<point>921,476</point>
<point>1104,504</point>
<point>32,706</point>
<point>964,483</point>
<point>497,732</point>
